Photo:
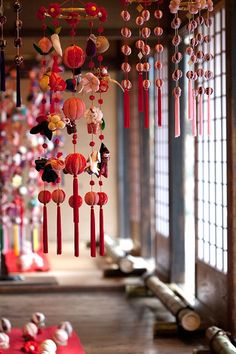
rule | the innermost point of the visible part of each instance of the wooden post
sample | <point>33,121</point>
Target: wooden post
<point>219,341</point>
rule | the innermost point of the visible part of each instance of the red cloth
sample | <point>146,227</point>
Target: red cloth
<point>11,262</point>
<point>16,342</point>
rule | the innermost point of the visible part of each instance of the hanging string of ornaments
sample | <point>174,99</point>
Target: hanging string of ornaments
<point>56,115</point>
<point>198,72</point>
<point>143,47</point>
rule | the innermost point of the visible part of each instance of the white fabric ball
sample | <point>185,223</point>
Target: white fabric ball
<point>60,336</point>
<point>4,341</point>
<point>67,326</point>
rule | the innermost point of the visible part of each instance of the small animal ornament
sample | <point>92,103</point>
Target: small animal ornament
<point>92,163</point>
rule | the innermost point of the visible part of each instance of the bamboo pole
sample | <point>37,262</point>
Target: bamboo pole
<point>185,316</point>
<point>219,341</point>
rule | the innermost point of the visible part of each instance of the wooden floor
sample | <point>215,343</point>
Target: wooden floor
<point>107,322</point>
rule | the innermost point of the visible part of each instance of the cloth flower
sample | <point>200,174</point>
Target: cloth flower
<point>93,115</point>
<point>56,83</point>
<point>41,13</point>
<point>54,10</point>
<point>102,14</point>
<point>31,347</point>
<point>91,9</point>
<point>90,83</point>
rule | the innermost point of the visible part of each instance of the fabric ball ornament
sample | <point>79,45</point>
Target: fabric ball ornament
<point>60,337</point>
<point>74,57</point>
<point>91,198</point>
<point>102,44</point>
<point>126,84</point>
<point>71,201</point>
<point>125,15</point>
<point>4,341</point>
<point>48,346</point>
<point>73,108</point>
<point>45,45</point>
<point>58,196</point>
<point>66,325</point>
<point>44,196</point>
<point>75,164</point>
<point>5,325</point>
<point>38,318</point>
<point>126,50</point>
<point>102,198</point>
<point>30,330</point>
<point>93,115</point>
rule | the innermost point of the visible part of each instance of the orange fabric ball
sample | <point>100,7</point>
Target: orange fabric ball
<point>58,196</point>
<point>75,163</point>
<point>102,198</point>
<point>74,57</point>
<point>91,198</point>
<point>44,197</point>
<point>74,108</point>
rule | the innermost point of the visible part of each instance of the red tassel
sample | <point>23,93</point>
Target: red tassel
<point>140,92</point>
<point>177,117</point>
<point>146,122</point>
<point>190,99</point>
<point>126,109</point>
<point>93,233</point>
<point>208,115</point>
<point>102,247</point>
<point>52,105</point>
<point>59,237</point>
<point>194,120</point>
<point>76,216</point>
<point>159,106</point>
<point>76,239</point>
<point>45,229</point>
<point>200,115</point>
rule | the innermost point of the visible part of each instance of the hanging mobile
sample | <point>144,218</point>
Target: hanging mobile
<point>18,44</point>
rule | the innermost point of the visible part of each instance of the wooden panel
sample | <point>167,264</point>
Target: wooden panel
<point>212,291</point>
<point>163,257</point>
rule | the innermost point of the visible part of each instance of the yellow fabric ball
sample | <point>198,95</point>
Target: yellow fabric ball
<point>52,126</point>
<point>61,124</point>
<point>55,118</point>
<point>44,83</point>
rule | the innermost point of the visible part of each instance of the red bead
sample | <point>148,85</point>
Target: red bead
<point>56,100</point>
<point>57,141</point>
<point>91,65</point>
<point>100,183</point>
<point>74,136</point>
<point>44,26</point>
<point>92,97</point>
<point>44,62</point>
<point>92,143</point>
<point>100,101</point>
<point>100,29</point>
<point>58,180</point>
<point>74,141</point>
<point>44,101</point>
<point>92,183</point>
<point>45,146</point>
<point>101,137</point>
<point>100,58</point>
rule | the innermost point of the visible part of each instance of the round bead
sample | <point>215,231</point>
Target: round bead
<point>159,48</point>
<point>101,137</point>
<point>92,183</point>
<point>125,15</point>
<point>208,57</point>
<point>201,90</point>
<point>159,83</point>
<point>158,14</point>
<point>194,24</point>
<point>208,74</point>
<point>176,40</point>
<point>158,31</point>
<point>45,146</point>
<point>126,84</point>
<point>189,51</point>
<point>193,58</point>
<point>190,27</point>
<point>177,91</point>
<point>139,21</point>
<point>200,38</point>
<point>177,57</point>
<point>176,23</point>
<point>146,67</point>
<point>126,50</point>
<point>17,6</point>
<point>44,196</point>
<point>100,58</point>
<point>200,55</point>
<point>92,143</point>
<point>56,141</point>
<point>74,141</point>
<point>200,72</point>
<point>207,39</point>
<point>74,136</point>
<point>126,67</point>
<point>126,32</point>
<point>177,74</point>
<point>158,65</point>
<point>100,183</point>
<point>193,42</point>
<point>18,59</point>
<point>146,49</point>
<point>199,20</point>
<point>209,91</point>
<point>92,97</point>
<point>100,101</point>
<point>145,32</point>
<point>139,44</point>
<point>146,15</point>
<point>91,64</point>
<point>139,67</point>
<point>146,84</point>
<point>190,74</point>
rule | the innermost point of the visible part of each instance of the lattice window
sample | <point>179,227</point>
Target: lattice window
<point>211,163</point>
<point>162,160</point>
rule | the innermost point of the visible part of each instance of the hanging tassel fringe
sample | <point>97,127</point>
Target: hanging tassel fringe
<point>76,216</point>
<point>52,105</point>
<point>126,109</point>
<point>2,70</point>
<point>190,99</point>
<point>146,119</point>
<point>177,117</point>
<point>18,92</point>
<point>140,92</point>
<point>45,229</point>
<point>194,120</point>
<point>101,225</point>
<point>93,233</point>
<point>208,115</point>
<point>59,233</point>
<point>200,115</point>
<point>159,107</point>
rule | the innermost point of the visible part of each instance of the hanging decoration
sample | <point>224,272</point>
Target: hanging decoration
<point>198,60</point>
<point>3,44</point>
<point>18,44</point>
<point>68,113</point>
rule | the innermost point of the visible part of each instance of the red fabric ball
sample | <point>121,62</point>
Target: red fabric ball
<point>103,198</point>
<point>58,196</point>
<point>74,108</point>
<point>74,57</point>
<point>44,196</point>
<point>71,201</point>
<point>91,198</point>
<point>75,163</point>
